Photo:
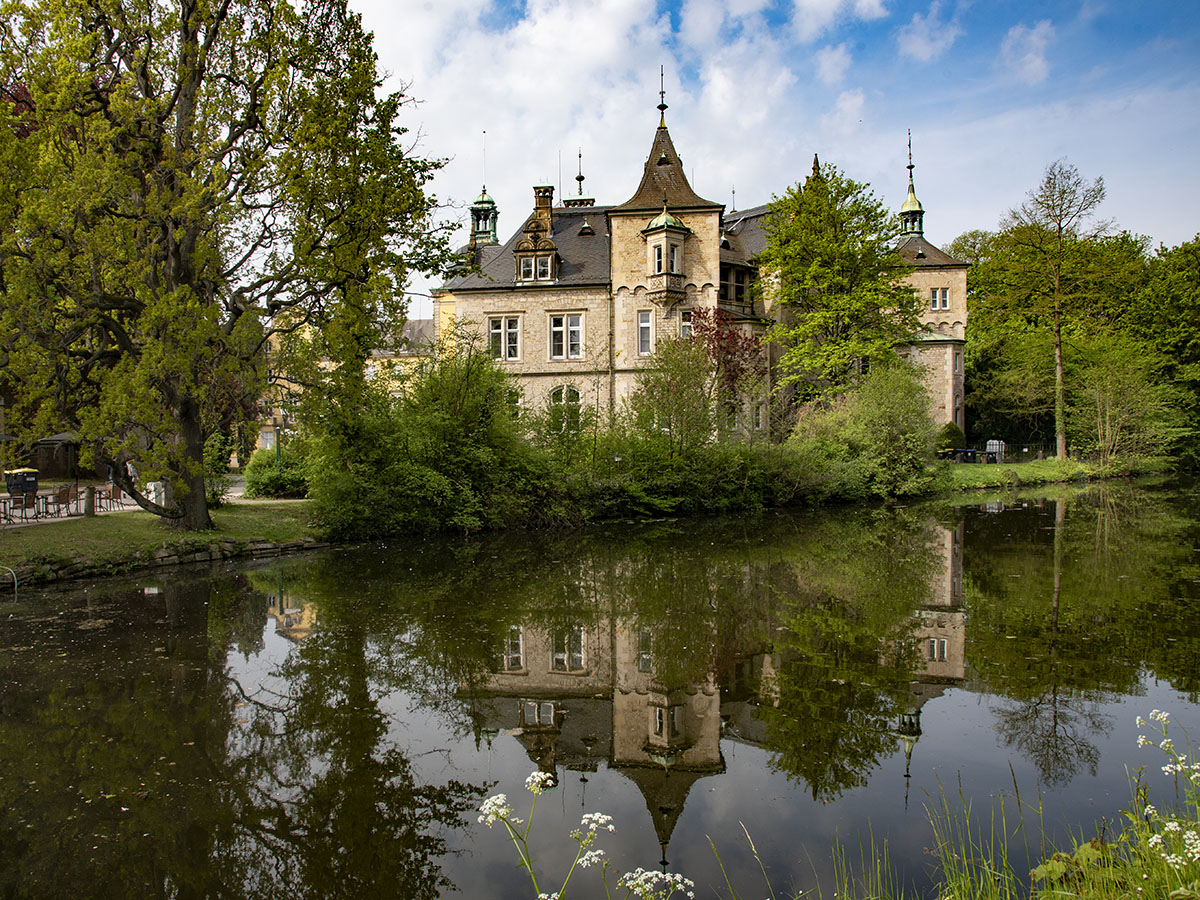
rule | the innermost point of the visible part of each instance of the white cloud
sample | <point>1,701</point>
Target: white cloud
<point>832,63</point>
<point>846,116</point>
<point>927,37</point>
<point>700,24</point>
<point>748,107</point>
<point>811,18</point>
<point>1023,52</point>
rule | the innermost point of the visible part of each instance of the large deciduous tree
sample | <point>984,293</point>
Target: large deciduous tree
<point>836,282</point>
<point>181,181</point>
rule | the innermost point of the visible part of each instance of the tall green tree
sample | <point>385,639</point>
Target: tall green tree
<point>186,180</point>
<point>835,280</point>
<point>1046,234</point>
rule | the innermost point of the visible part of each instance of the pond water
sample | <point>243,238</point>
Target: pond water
<point>327,726</point>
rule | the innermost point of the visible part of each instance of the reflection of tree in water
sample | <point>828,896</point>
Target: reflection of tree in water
<point>335,809</point>
<point>1051,725</point>
<point>132,765</point>
<point>845,661</point>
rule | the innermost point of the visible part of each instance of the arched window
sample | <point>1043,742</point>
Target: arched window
<point>564,409</point>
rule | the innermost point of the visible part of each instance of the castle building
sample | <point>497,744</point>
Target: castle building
<point>576,300</point>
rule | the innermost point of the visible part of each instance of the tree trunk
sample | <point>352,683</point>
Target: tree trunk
<point>191,499</point>
<point>1060,412</point>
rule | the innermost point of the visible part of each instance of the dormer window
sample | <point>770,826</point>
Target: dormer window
<point>535,267</point>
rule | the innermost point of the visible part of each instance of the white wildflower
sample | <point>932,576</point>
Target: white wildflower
<point>655,885</point>
<point>1155,840</point>
<point>1167,745</point>
<point>1159,716</point>
<point>1175,862</point>
<point>496,808</point>
<point>591,858</point>
<point>1171,827</point>
<point>1144,741</point>
<point>540,781</point>
<point>1150,811</point>
<point>1141,723</point>
<point>595,821</point>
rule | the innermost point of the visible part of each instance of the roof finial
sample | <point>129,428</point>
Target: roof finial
<point>910,162</point>
<point>579,177</point>
<point>662,99</point>
<point>485,160</point>
<point>733,204</point>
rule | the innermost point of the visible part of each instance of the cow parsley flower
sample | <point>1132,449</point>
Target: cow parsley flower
<point>539,781</point>
<point>496,808</point>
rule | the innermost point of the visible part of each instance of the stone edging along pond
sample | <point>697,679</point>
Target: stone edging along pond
<point>75,566</point>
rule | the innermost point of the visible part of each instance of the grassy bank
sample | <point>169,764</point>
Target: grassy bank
<point>120,540</point>
<point>1006,476</point>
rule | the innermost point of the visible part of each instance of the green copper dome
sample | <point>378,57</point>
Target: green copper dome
<point>665,220</point>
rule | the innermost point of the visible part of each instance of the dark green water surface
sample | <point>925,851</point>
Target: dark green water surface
<point>326,727</point>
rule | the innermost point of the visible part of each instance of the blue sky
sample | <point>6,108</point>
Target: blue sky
<point>993,92</point>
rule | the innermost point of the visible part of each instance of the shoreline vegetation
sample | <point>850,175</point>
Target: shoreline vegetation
<point>109,544</point>
<point>1148,852</point>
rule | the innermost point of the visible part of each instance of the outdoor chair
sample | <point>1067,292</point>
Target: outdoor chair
<point>72,501</point>
<point>26,503</point>
<point>54,502</point>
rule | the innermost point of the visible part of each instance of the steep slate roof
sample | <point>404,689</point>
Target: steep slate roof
<point>918,252</point>
<point>583,259</point>
<point>744,230</point>
<point>663,176</point>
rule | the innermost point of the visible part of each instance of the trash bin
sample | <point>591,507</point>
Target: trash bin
<point>21,481</point>
<point>995,451</point>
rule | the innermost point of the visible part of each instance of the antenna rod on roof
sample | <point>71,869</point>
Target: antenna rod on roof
<point>485,159</point>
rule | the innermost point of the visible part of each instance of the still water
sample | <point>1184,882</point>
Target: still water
<point>326,727</point>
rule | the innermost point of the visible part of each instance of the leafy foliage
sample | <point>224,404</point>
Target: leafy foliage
<point>184,181</point>
<point>278,474</point>
<point>833,276</point>
<point>874,439</point>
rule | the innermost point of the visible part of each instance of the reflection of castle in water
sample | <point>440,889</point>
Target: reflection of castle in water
<point>293,618</point>
<point>573,696</point>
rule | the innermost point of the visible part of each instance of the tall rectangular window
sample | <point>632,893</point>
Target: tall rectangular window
<point>512,338</point>
<point>543,268</point>
<point>566,337</point>
<point>568,650</point>
<point>674,259</point>
<point>939,298</point>
<point>527,268</point>
<point>945,298</point>
<point>685,323</point>
<point>504,337</point>
<point>933,298</point>
<point>514,649</point>
<point>658,259</point>
<point>558,337</point>
<point>496,338</point>
<point>574,337</point>
<point>644,659</point>
<point>643,333</point>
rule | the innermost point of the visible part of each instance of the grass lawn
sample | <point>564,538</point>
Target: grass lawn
<point>115,538</point>
<point>969,476</point>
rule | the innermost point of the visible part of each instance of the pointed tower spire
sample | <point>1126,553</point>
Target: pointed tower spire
<point>912,214</point>
<point>662,98</point>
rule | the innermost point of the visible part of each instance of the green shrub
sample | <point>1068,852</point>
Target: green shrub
<point>950,437</point>
<point>282,474</point>
<point>875,439</point>
<point>447,454</point>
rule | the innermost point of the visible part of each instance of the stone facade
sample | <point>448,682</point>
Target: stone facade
<point>578,298</point>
